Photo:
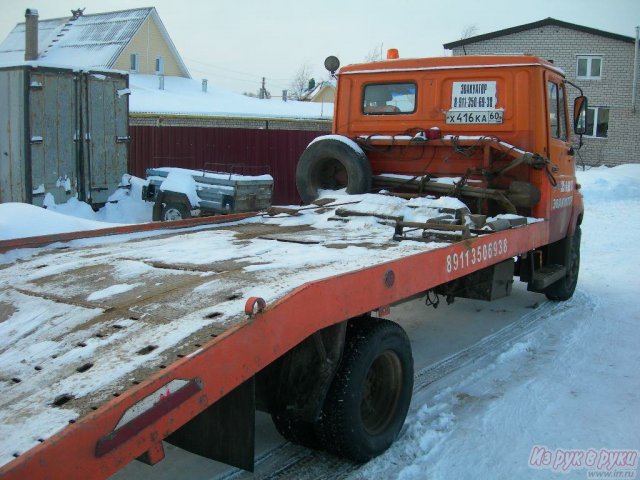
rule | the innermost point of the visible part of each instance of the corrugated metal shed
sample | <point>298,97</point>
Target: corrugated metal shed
<point>250,151</point>
<point>63,133</point>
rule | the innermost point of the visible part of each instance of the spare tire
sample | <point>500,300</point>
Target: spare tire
<point>332,162</point>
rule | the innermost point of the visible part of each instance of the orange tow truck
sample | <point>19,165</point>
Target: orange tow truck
<point>443,177</point>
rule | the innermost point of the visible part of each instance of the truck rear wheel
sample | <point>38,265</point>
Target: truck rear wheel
<point>563,289</point>
<point>369,398</point>
<point>297,431</point>
<point>332,164</point>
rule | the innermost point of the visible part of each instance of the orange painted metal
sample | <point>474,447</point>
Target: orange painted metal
<point>238,354</point>
<point>476,150</point>
<point>43,240</point>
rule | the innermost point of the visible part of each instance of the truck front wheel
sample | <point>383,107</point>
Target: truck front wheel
<point>368,400</point>
<point>563,289</point>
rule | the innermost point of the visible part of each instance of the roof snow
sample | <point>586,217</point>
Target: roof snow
<point>184,96</point>
<point>88,41</point>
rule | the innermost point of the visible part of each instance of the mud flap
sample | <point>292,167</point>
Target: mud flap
<point>225,431</point>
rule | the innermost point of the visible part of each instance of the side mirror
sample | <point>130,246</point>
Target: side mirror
<point>580,105</point>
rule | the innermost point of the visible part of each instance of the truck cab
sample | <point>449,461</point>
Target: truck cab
<point>497,124</point>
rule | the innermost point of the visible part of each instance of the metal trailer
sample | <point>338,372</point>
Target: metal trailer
<point>218,193</point>
<point>63,131</point>
<point>201,393</point>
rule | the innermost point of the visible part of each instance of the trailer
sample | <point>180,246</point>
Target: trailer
<point>179,331</point>
<point>180,193</point>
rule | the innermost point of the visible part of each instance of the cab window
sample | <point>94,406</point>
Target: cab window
<point>389,99</point>
<point>557,112</point>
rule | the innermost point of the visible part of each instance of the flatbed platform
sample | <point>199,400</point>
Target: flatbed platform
<point>81,325</point>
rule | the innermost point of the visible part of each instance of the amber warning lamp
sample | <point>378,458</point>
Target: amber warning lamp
<point>392,54</point>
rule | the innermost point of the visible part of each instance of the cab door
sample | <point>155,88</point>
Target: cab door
<point>562,168</point>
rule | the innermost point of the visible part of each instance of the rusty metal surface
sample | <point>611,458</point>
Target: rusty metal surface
<point>43,240</point>
<point>276,151</point>
<point>71,452</point>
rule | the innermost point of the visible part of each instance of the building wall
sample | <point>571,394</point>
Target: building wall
<point>326,95</point>
<point>148,43</point>
<point>613,90</point>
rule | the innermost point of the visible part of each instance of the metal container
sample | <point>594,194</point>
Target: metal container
<point>62,131</point>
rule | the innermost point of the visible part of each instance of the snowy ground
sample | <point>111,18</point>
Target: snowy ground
<point>563,396</point>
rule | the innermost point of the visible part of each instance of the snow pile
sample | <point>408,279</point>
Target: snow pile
<point>603,183</point>
<point>19,220</point>
<point>181,182</point>
<point>184,96</point>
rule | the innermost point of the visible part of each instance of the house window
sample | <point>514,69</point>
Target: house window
<point>159,65</point>
<point>389,98</point>
<point>135,62</point>
<point>597,122</point>
<point>589,67</point>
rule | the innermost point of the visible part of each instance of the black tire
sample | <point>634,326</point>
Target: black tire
<point>331,164</point>
<point>563,289</point>
<point>297,431</point>
<point>370,395</point>
<point>174,211</point>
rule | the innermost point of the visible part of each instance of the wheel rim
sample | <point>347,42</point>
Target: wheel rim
<point>331,174</point>
<point>381,392</point>
<point>172,214</point>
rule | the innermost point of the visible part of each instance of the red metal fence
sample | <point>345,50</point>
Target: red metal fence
<point>262,151</point>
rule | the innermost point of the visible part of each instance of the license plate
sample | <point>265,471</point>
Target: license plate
<point>474,117</point>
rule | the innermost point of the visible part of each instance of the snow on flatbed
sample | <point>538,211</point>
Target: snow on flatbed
<point>79,324</point>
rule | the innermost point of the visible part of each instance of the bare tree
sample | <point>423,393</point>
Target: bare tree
<point>468,31</point>
<point>300,83</point>
<point>375,54</point>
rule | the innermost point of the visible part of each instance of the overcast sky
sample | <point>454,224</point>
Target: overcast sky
<point>235,43</point>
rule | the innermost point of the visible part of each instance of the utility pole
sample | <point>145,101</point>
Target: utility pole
<point>635,72</point>
<point>263,90</point>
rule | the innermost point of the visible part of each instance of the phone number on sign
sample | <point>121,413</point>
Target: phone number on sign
<point>479,254</point>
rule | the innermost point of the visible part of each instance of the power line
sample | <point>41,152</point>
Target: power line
<point>273,80</point>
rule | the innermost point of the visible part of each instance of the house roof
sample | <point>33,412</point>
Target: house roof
<point>320,87</point>
<point>93,41</point>
<point>184,97</point>
<point>538,24</point>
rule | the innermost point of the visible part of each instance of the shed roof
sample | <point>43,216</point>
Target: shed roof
<point>538,24</point>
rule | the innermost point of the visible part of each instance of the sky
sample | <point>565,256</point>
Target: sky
<point>235,43</point>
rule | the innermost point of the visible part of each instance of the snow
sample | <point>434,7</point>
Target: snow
<point>111,291</point>
<point>214,175</point>
<point>19,220</point>
<point>181,182</point>
<point>569,383</point>
<point>339,138</point>
<point>184,96</point>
